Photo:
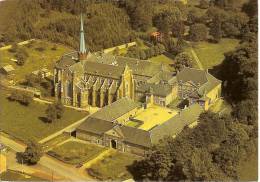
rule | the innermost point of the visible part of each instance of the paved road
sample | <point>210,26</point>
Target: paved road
<point>36,170</point>
<point>18,147</point>
<point>58,167</point>
<point>69,172</point>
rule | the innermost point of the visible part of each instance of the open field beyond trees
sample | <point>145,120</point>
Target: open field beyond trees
<point>40,55</point>
<point>73,152</point>
<point>211,54</point>
<point>113,167</point>
<point>27,122</point>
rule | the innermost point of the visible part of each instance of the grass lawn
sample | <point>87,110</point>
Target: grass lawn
<point>36,60</point>
<point>211,54</point>
<point>73,152</point>
<point>25,122</point>
<point>248,170</point>
<point>17,176</point>
<point>162,59</point>
<point>113,167</point>
<point>55,141</point>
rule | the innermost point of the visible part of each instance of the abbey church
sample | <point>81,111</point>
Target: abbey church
<point>84,79</point>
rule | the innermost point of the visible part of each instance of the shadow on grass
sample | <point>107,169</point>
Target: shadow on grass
<point>44,119</point>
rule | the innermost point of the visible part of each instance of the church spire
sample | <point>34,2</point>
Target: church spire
<point>82,46</point>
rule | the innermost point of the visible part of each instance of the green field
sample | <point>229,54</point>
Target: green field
<point>162,59</point>
<point>73,152</point>
<point>248,170</point>
<point>113,167</point>
<point>211,54</point>
<point>27,122</point>
<point>18,176</point>
<point>36,60</point>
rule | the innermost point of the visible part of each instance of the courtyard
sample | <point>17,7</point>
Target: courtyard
<point>152,116</point>
<point>76,152</point>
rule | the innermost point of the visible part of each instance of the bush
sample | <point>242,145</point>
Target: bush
<point>21,56</point>
<point>22,98</point>
<point>13,48</point>
<point>40,49</point>
<point>54,48</point>
<point>31,155</point>
<point>198,32</point>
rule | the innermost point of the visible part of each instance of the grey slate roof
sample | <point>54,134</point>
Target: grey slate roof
<point>104,70</point>
<point>157,89</point>
<point>108,65</point>
<point>207,81</point>
<point>136,136</point>
<point>96,126</point>
<point>190,74</point>
<point>116,109</point>
<point>176,124</point>
<point>66,60</point>
<point>131,135</point>
<point>164,76</point>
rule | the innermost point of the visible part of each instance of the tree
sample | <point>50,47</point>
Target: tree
<point>142,55</point>
<point>250,8</point>
<point>13,48</point>
<point>51,113</point>
<point>59,109</point>
<point>31,155</point>
<point>161,48</point>
<point>198,32</point>
<point>141,14</point>
<point>21,97</point>
<point>204,4</point>
<point>182,60</point>
<point>193,16</point>
<point>21,56</point>
<point>166,20</point>
<point>178,29</point>
<point>216,29</point>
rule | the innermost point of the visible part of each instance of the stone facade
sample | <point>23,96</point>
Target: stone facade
<point>2,162</point>
<point>83,89</point>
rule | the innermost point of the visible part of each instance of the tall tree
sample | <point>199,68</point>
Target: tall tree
<point>198,32</point>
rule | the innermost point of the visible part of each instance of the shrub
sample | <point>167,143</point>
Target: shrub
<point>13,48</point>
<point>22,98</point>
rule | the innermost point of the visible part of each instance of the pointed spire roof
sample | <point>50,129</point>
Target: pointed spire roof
<point>82,46</point>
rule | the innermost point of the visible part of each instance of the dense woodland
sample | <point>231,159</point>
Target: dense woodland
<point>213,149</point>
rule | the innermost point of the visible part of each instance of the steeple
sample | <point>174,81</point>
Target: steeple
<point>82,46</point>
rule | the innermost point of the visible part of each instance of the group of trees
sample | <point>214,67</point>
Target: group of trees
<point>239,74</point>
<point>45,85</point>
<point>21,97</point>
<point>54,111</point>
<point>139,53</point>
<point>182,60</point>
<point>31,155</point>
<point>20,54</point>
<point>215,148</point>
<point>211,151</point>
